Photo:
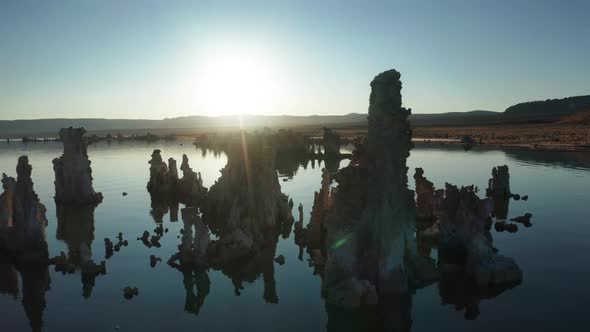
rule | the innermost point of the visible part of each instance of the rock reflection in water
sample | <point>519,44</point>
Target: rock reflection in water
<point>75,226</point>
<point>35,283</point>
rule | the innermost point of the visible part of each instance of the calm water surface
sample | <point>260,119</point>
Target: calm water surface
<point>553,254</point>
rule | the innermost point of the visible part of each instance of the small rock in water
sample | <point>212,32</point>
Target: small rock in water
<point>130,292</point>
<point>525,197</point>
<point>516,197</point>
<point>108,246</point>
<point>525,220</point>
<point>124,194</point>
<point>502,226</point>
<point>511,228</point>
<point>154,260</point>
<point>280,259</point>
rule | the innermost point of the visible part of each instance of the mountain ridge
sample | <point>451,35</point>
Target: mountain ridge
<point>551,110</point>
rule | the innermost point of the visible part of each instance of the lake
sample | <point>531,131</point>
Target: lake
<point>552,254</point>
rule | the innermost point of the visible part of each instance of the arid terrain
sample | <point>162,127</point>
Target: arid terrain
<point>558,136</point>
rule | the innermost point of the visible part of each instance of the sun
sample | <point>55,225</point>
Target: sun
<point>236,81</point>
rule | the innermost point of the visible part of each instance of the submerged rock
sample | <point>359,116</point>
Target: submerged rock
<point>73,175</point>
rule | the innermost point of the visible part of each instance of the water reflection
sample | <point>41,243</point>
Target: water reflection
<point>75,227</point>
<point>453,288</point>
<point>35,283</point>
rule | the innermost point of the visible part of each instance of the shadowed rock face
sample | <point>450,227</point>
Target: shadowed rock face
<point>190,187</point>
<point>424,197</point>
<point>372,254</point>
<point>23,246</point>
<point>73,175</point>
<point>331,143</point>
<point>246,203</point>
<point>22,216</point>
<point>465,240</point>
<point>166,188</point>
<point>499,192</point>
<point>159,183</point>
<point>370,230</point>
<point>499,184</point>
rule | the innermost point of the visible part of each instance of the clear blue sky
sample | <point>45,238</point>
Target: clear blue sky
<point>149,59</point>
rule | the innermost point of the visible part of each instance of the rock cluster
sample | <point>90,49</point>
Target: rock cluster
<point>190,186</point>
<point>165,186</point>
<point>163,178</point>
<point>22,216</point>
<point>245,206</point>
<point>73,175</point>
<point>464,239</point>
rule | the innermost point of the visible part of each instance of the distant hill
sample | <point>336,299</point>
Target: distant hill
<point>547,110</point>
<point>455,119</point>
<point>551,110</point>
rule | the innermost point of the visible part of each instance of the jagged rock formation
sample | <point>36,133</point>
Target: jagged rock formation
<point>190,187</point>
<point>331,144</point>
<point>73,175</point>
<point>499,191</point>
<point>465,240</point>
<point>22,216</point>
<point>370,230</point>
<point>166,189</point>
<point>499,184</point>
<point>245,206</point>
<point>424,197</point>
<point>161,180</point>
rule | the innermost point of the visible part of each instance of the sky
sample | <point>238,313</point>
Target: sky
<point>161,59</point>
